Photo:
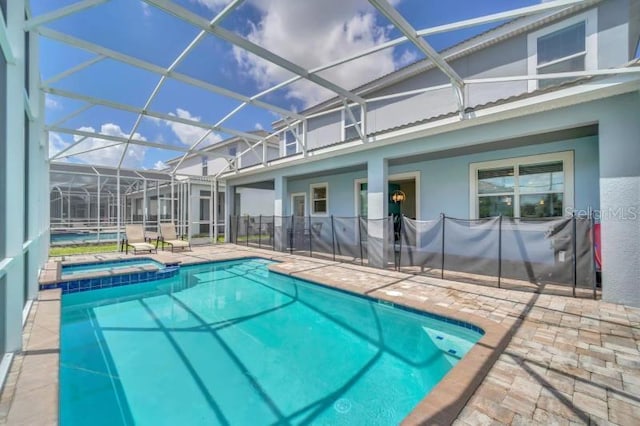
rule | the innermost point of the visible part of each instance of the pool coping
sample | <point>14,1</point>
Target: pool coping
<point>443,404</point>
<point>30,394</point>
<point>445,401</point>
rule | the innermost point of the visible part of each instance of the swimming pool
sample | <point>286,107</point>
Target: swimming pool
<point>82,237</point>
<point>113,265</point>
<point>232,343</point>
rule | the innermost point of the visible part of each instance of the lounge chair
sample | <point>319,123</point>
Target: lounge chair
<point>135,239</point>
<point>168,236</point>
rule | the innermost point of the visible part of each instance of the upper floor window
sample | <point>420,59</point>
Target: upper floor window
<point>205,166</point>
<point>528,187</point>
<point>290,141</point>
<point>567,46</point>
<point>233,151</point>
<point>348,126</point>
<point>319,198</point>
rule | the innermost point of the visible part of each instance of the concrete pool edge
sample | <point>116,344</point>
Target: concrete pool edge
<point>444,403</point>
<point>30,394</point>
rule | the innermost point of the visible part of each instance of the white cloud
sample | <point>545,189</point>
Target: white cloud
<point>188,134</point>
<point>258,126</point>
<point>56,143</point>
<point>313,33</point>
<point>146,9</point>
<point>407,57</point>
<point>211,4</point>
<point>51,103</point>
<point>109,156</point>
<point>160,165</point>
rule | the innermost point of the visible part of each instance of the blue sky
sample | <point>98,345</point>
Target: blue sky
<point>308,32</point>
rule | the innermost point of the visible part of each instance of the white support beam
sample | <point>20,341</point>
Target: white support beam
<point>251,47</point>
<point>60,153</point>
<point>85,151</point>
<point>551,76</point>
<point>500,16</point>
<point>407,29</point>
<point>353,120</point>
<point>252,147</point>
<point>73,70</point>
<point>305,136</point>
<point>159,115</point>
<point>147,66</point>
<point>294,132</point>
<point>229,163</point>
<point>61,13</point>
<point>72,114</point>
<point>119,139</point>
<point>5,46</point>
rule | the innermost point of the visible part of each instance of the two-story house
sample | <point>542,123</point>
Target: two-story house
<point>517,138</point>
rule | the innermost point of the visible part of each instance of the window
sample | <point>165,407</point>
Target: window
<point>233,151</point>
<point>527,187</point>
<point>348,126</point>
<point>564,47</point>
<point>205,166</point>
<point>319,199</point>
<point>290,141</point>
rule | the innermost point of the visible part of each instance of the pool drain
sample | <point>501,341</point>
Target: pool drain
<point>342,405</point>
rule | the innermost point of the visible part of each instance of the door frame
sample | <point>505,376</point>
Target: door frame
<point>298,194</point>
<point>398,176</point>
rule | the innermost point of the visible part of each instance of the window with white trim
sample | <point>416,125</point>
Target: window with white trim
<point>567,46</point>
<point>528,187</point>
<point>290,141</point>
<point>205,165</point>
<point>319,198</point>
<point>349,130</point>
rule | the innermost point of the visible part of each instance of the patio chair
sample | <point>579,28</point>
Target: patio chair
<point>135,239</point>
<point>168,236</point>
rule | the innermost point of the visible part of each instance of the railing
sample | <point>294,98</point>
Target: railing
<point>500,251</point>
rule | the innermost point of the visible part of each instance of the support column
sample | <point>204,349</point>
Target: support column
<point>118,205</point>
<point>229,209</point>
<point>69,207</point>
<point>12,167</point>
<point>158,211</point>
<point>378,209</point>
<point>214,215</point>
<point>280,212</point>
<point>144,204</point>
<point>173,200</point>
<point>98,208</point>
<point>620,202</point>
<point>213,195</point>
<point>189,211</point>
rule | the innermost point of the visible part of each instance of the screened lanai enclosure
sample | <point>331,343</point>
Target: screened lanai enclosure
<point>91,204</point>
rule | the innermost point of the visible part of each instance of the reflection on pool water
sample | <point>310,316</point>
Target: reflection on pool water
<point>232,343</point>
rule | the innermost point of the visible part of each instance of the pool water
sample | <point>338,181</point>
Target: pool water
<point>232,343</point>
<point>114,265</point>
<point>82,237</point>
